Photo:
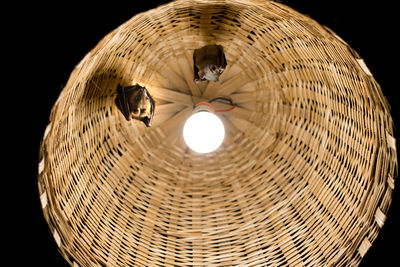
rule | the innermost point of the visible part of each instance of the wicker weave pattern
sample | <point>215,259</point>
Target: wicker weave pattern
<point>305,174</point>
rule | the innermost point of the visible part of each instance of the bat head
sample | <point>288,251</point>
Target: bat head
<point>212,72</point>
<point>142,106</point>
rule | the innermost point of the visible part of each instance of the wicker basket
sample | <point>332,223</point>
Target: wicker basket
<point>304,176</point>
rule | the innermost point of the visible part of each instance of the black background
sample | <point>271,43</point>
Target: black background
<point>51,41</point>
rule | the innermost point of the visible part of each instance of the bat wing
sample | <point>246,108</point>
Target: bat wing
<point>221,56</point>
<point>195,69</point>
<point>122,102</point>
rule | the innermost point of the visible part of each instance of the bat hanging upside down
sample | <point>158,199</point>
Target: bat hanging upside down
<point>209,63</point>
<point>135,102</point>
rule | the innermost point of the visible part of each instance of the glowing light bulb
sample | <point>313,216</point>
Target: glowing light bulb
<point>203,132</point>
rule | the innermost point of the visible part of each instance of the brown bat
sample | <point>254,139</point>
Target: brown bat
<point>135,102</point>
<point>209,63</point>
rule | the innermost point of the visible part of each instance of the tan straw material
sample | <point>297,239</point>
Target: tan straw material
<point>304,176</point>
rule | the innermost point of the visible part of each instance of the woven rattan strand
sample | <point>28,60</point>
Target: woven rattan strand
<point>305,174</point>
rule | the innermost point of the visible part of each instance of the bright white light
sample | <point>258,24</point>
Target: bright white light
<point>203,132</point>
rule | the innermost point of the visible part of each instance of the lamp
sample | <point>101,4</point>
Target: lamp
<point>305,179</point>
<point>203,131</point>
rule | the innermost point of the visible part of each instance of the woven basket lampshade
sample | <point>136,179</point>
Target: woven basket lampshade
<point>304,176</point>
